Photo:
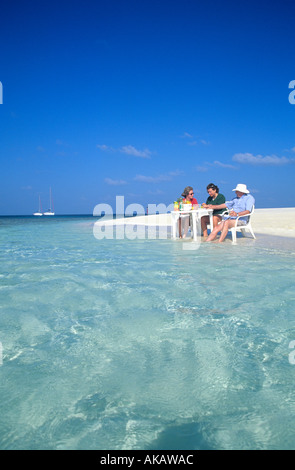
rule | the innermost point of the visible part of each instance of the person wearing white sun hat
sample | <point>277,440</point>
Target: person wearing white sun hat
<point>241,205</point>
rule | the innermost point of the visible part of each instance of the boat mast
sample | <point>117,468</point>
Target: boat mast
<point>51,202</point>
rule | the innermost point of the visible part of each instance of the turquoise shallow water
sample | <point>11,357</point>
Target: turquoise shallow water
<point>138,344</point>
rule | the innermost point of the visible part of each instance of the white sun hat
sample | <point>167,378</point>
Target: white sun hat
<point>242,188</point>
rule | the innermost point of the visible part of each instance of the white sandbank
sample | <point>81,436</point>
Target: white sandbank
<point>277,222</point>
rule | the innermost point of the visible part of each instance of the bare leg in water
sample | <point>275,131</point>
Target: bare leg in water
<point>205,222</point>
<point>223,228</point>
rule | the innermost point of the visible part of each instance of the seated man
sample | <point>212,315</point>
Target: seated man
<point>241,205</point>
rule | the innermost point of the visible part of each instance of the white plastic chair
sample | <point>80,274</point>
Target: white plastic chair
<point>242,228</point>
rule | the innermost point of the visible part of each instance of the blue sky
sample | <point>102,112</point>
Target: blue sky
<point>142,98</point>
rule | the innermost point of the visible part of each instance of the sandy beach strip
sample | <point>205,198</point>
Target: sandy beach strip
<point>278,221</point>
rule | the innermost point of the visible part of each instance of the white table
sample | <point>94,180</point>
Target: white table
<point>196,215</point>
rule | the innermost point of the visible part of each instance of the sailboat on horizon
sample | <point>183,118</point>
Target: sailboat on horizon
<point>50,211</point>
<point>39,211</point>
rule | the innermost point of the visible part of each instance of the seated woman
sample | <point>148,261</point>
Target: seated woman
<point>214,199</point>
<point>188,197</point>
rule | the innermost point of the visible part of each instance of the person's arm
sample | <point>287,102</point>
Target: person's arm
<point>239,214</point>
<point>217,206</point>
